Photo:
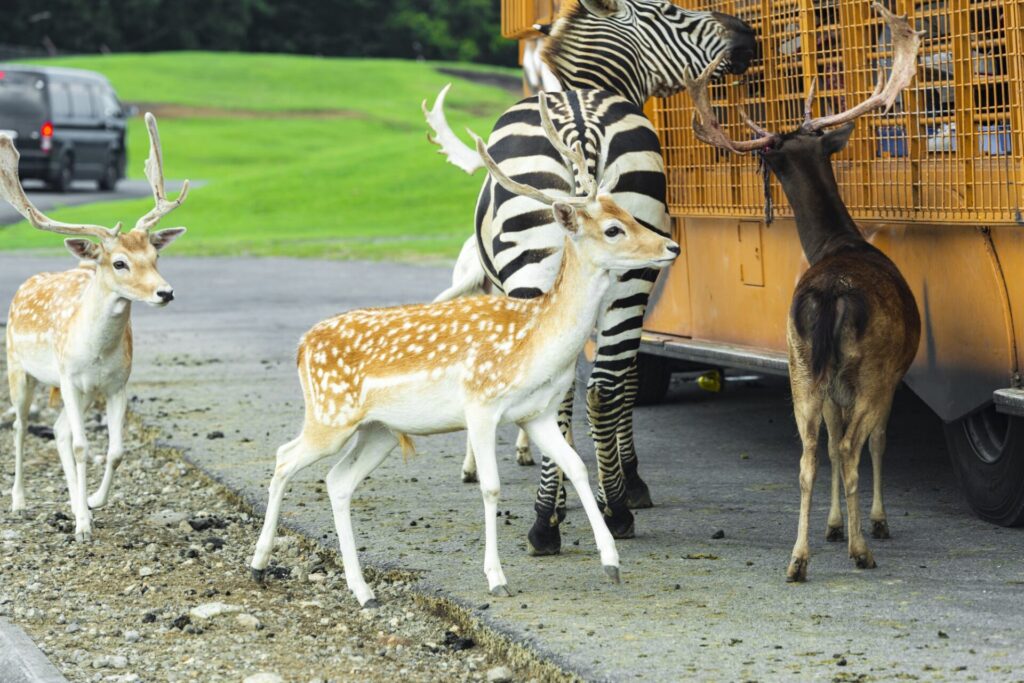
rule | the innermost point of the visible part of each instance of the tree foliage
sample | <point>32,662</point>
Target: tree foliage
<point>464,30</point>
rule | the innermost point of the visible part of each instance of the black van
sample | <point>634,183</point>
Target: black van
<point>66,123</point>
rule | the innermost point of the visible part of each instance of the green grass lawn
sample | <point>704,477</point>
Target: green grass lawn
<point>302,156</point>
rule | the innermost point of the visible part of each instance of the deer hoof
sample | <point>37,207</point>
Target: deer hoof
<point>797,572</point>
<point>524,457</point>
<point>258,575</point>
<point>834,534</point>
<point>864,560</point>
<point>83,536</point>
<point>469,477</point>
<point>501,591</point>
<point>880,529</point>
<point>370,604</point>
<point>613,573</point>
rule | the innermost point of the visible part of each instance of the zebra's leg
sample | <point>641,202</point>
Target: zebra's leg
<point>638,496</point>
<point>544,537</point>
<point>604,407</point>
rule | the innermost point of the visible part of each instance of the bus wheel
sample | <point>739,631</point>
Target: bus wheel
<point>653,375</point>
<point>987,450</point>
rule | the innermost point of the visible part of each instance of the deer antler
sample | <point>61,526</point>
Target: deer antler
<point>14,193</point>
<point>906,43</point>
<point>578,165</point>
<point>705,124</point>
<point>155,175</point>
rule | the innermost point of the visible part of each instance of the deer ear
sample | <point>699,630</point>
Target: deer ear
<point>835,140</point>
<point>565,215</point>
<point>84,249</point>
<point>602,8</point>
<point>162,238</point>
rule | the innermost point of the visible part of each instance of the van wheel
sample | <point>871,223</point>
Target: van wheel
<point>987,450</point>
<point>61,181</point>
<point>111,174</point>
<point>653,374</point>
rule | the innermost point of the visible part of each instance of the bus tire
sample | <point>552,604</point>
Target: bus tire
<point>987,451</point>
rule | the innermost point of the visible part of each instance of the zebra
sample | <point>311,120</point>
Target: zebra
<point>610,56</point>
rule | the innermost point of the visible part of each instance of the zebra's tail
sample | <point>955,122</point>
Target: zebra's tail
<point>458,153</point>
<point>468,276</point>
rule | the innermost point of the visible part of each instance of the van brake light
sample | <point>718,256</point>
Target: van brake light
<point>46,132</point>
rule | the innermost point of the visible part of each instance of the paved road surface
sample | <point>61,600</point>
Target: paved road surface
<point>944,604</point>
<point>82,192</point>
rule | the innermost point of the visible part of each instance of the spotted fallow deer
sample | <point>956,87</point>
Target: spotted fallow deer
<point>853,327</point>
<point>474,363</point>
<point>72,330</point>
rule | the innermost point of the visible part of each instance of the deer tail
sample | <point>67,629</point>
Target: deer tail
<point>821,316</point>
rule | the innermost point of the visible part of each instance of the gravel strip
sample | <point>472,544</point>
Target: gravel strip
<point>163,593</point>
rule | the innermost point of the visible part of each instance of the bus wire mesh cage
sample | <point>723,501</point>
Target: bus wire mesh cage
<point>950,150</point>
<point>519,16</point>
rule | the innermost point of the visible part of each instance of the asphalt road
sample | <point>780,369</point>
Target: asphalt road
<point>944,603</point>
<point>82,192</point>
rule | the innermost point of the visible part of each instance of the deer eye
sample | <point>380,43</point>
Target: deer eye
<point>613,231</point>
<point>120,265</point>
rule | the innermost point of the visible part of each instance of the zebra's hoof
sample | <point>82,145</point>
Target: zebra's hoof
<point>613,573</point>
<point>544,539</point>
<point>258,575</point>
<point>638,496</point>
<point>501,591</point>
<point>620,523</point>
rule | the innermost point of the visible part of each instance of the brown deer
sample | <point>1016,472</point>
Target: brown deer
<point>72,330</point>
<point>854,326</point>
<point>371,377</point>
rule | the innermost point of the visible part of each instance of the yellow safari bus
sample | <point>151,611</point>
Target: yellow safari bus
<point>937,183</point>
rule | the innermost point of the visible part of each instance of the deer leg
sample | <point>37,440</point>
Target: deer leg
<point>481,429</point>
<point>876,444</point>
<point>469,464</point>
<point>117,405</point>
<point>638,496</point>
<point>369,448</point>
<point>850,450</point>
<point>834,423</point>
<point>75,403</point>
<point>604,408</point>
<point>544,537</point>
<point>523,456</point>
<point>808,421</point>
<point>315,442</point>
<point>545,433</point>
<point>62,434</point>
<point>22,386</point>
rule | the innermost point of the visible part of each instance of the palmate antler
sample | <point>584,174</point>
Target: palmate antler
<point>14,193</point>
<point>577,164</point>
<point>906,43</point>
<point>155,175</point>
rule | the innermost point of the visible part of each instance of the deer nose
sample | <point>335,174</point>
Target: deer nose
<point>166,295</point>
<point>674,248</point>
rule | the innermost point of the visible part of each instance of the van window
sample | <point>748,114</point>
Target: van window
<point>60,98</point>
<point>21,95</point>
<point>81,103</point>
<point>109,105</point>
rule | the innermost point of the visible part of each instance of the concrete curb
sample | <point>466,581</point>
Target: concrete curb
<point>21,661</point>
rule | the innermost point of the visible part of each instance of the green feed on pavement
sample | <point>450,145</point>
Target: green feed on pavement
<point>301,156</point>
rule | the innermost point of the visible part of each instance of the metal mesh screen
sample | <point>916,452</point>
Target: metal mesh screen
<point>951,150</point>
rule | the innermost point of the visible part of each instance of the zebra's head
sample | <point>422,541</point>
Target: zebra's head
<point>642,48</point>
